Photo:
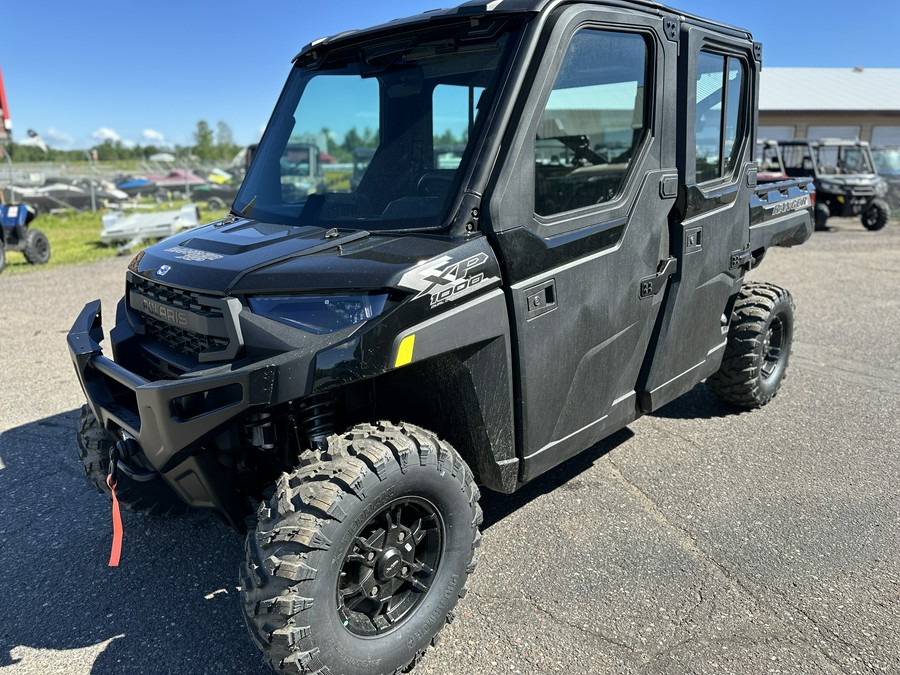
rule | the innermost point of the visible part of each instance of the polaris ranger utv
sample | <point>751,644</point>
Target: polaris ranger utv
<point>845,180</point>
<point>355,364</point>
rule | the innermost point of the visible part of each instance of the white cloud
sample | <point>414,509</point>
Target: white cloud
<point>58,139</point>
<point>106,134</point>
<point>128,143</point>
<point>153,137</point>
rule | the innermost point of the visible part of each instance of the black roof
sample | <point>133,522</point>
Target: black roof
<point>476,8</point>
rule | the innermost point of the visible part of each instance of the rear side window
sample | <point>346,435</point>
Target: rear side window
<point>593,122</point>
<point>720,124</point>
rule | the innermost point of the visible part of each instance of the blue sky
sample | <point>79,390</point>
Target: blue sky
<point>79,72</point>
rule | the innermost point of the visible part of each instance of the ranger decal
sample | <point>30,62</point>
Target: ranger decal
<point>789,205</point>
<point>192,254</point>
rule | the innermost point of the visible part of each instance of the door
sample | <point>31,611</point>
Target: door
<point>717,78</point>
<point>579,217</point>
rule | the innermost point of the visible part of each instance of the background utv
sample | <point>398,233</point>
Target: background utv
<point>576,261</point>
<point>845,180</point>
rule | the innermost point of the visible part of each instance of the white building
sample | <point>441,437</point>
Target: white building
<point>861,103</point>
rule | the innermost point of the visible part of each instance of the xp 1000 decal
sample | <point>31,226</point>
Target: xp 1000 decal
<point>444,280</point>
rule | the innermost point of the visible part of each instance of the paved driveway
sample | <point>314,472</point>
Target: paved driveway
<point>695,541</point>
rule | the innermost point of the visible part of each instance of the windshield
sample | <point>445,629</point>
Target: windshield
<point>377,137</point>
<point>887,160</point>
<point>843,160</point>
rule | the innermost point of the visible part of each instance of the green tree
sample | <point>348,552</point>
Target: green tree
<point>204,146</point>
<point>352,140</point>
<point>225,145</point>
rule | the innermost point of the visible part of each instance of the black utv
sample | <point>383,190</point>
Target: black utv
<point>845,180</point>
<point>353,365</point>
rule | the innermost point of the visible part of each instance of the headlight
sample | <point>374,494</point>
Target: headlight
<point>881,188</point>
<point>319,314</point>
<point>826,186</point>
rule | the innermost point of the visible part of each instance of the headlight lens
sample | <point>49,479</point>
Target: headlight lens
<point>881,188</point>
<point>826,186</point>
<point>319,314</point>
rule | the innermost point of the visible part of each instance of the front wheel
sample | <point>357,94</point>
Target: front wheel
<point>362,553</point>
<point>36,247</point>
<point>151,494</point>
<point>758,346</point>
<point>876,215</point>
<point>821,214</point>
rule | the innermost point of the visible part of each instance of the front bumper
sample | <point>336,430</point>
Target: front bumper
<point>153,413</point>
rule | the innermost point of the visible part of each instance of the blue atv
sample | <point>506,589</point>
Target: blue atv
<point>16,235</point>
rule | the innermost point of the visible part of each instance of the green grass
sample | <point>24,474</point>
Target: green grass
<point>75,239</point>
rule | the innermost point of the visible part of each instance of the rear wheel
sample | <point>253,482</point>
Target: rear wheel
<point>36,247</point>
<point>2,255</point>
<point>361,554</point>
<point>152,495</point>
<point>758,347</point>
<point>876,215</point>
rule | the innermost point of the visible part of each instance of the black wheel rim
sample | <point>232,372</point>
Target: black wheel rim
<point>41,246</point>
<point>773,348</point>
<point>390,567</point>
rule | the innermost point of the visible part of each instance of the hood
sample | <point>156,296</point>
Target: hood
<point>244,256</point>
<point>851,179</point>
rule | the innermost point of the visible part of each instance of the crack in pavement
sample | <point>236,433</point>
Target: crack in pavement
<point>829,635</point>
<point>737,638</point>
<point>690,545</point>
<point>559,620</point>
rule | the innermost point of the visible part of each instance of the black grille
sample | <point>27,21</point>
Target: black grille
<point>174,297</point>
<point>181,340</point>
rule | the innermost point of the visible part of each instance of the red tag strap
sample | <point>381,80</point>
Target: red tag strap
<point>116,551</point>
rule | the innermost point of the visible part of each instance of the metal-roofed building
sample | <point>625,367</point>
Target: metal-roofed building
<point>861,103</point>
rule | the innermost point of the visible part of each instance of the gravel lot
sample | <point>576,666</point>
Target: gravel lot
<point>695,541</point>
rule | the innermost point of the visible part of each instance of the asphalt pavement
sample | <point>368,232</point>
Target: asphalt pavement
<point>697,540</point>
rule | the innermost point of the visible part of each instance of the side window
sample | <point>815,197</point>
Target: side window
<point>593,122</point>
<point>720,124</point>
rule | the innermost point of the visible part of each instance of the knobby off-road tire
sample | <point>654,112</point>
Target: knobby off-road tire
<point>151,496</point>
<point>36,247</point>
<point>361,554</point>
<point>2,255</point>
<point>758,347</point>
<point>821,214</point>
<point>876,215</point>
